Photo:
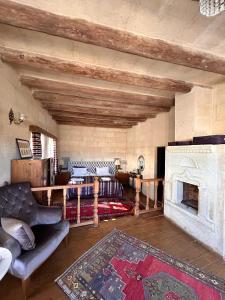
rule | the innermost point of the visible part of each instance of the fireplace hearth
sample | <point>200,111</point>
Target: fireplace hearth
<point>190,195</point>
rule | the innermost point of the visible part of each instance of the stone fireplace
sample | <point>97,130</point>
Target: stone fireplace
<point>195,192</point>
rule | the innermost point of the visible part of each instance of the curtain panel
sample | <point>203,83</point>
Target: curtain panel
<point>55,157</point>
<point>36,145</point>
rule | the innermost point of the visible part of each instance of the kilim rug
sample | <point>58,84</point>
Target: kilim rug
<point>123,267</point>
<point>107,208</point>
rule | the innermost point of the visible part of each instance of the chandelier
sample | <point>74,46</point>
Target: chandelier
<point>211,8</point>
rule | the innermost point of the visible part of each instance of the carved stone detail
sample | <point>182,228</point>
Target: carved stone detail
<point>191,149</point>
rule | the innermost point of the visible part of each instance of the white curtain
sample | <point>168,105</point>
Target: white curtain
<point>47,146</point>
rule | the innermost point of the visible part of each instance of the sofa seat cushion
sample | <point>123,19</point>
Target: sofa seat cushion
<point>48,238</point>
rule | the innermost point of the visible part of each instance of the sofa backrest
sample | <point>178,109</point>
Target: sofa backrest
<point>17,201</point>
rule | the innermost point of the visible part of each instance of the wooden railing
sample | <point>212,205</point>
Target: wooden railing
<point>64,189</point>
<point>148,183</point>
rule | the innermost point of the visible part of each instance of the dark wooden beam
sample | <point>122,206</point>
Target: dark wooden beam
<point>97,111</point>
<point>94,120</point>
<point>44,62</point>
<point>34,128</point>
<point>59,113</point>
<point>27,17</point>
<point>94,92</point>
<point>88,124</point>
<point>46,97</point>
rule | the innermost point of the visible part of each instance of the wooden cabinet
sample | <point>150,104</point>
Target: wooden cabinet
<point>37,171</point>
<point>123,178</point>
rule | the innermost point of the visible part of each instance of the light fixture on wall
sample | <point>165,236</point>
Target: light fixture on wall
<point>16,118</point>
<point>117,164</point>
<point>210,8</point>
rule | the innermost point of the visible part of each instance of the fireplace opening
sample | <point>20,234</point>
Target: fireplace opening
<point>190,195</point>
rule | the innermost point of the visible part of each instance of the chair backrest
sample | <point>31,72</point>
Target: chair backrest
<point>17,201</point>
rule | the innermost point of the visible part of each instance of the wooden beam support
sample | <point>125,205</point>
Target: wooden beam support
<point>88,124</point>
<point>34,128</point>
<point>28,17</point>
<point>46,97</point>
<point>94,121</point>
<point>49,63</point>
<point>58,113</point>
<point>90,91</point>
<point>97,111</point>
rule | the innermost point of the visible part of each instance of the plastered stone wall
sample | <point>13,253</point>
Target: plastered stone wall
<point>14,95</point>
<point>219,109</point>
<point>92,143</point>
<point>194,113</point>
<point>144,139</point>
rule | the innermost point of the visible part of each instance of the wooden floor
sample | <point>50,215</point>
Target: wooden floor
<point>157,231</point>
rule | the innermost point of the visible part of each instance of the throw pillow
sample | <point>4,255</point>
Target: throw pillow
<point>20,231</point>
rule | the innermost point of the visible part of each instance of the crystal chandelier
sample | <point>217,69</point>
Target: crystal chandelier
<point>211,8</point>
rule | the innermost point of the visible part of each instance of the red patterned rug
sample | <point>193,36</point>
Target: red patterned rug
<point>107,208</point>
<point>123,267</point>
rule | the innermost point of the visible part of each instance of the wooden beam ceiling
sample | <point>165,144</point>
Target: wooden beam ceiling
<point>27,17</point>
<point>93,124</point>
<point>111,121</point>
<point>90,91</point>
<point>97,111</point>
<point>94,120</point>
<point>53,98</point>
<point>59,113</point>
<point>44,62</point>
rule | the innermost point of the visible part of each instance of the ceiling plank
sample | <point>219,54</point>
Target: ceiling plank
<point>59,113</point>
<point>50,63</point>
<point>97,111</point>
<point>28,17</point>
<point>90,91</point>
<point>77,101</point>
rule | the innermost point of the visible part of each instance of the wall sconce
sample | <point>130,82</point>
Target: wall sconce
<point>17,118</point>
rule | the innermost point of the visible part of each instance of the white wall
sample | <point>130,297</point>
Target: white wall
<point>193,114</point>
<point>14,95</point>
<point>144,139</point>
<point>92,143</point>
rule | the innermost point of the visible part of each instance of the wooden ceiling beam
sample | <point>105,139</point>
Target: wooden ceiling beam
<point>97,111</point>
<point>50,63</point>
<point>27,17</point>
<point>59,113</point>
<point>65,88</point>
<point>90,120</point>
<point>75,123</point>
<point>85,102</point>
<point>108,108</point>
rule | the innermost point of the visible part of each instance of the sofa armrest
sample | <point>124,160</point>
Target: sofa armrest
<point>49,215</point>
<point>8,242</point>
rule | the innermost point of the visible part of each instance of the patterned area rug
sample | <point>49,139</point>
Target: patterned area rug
<point>123,267</point>
<point>107,208</point>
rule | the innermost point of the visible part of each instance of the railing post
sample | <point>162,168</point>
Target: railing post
<point>147,195</point>
<point>96,191</point>
<point>78,205</point>
<point>137,198</point>
<point>64,203</point>
<point>155,193</point>
<point>49,195</point>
